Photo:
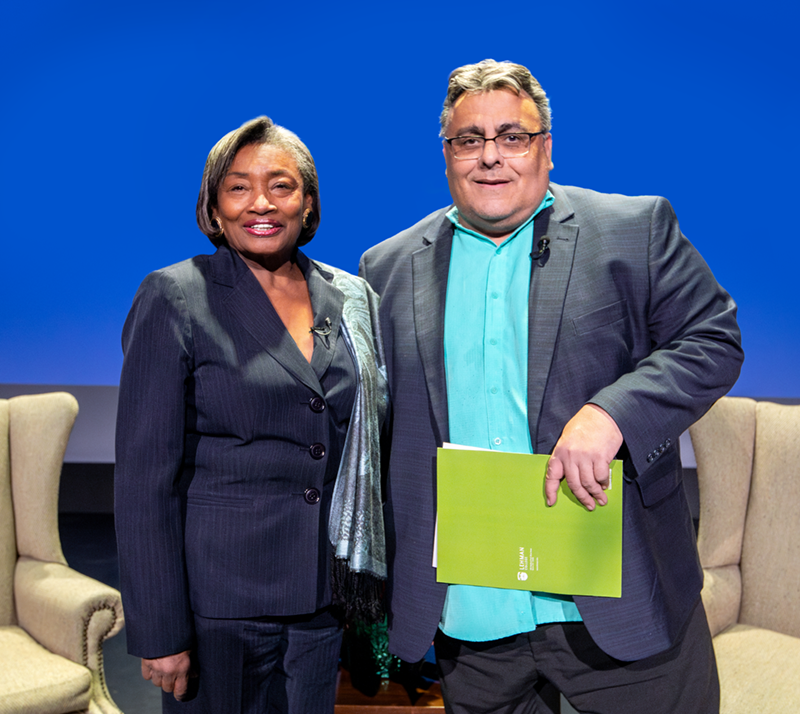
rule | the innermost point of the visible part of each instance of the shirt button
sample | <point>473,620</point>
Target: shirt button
<point>311,495</point>
<point>493,390</point>
<point>493,341</point>
<point>498,441</point>
<point>495,296</point>
<point>317,404</point>
<point>317,451</point>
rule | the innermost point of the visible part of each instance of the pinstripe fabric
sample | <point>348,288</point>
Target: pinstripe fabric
<point>213,460</point>
<point>624,313</point>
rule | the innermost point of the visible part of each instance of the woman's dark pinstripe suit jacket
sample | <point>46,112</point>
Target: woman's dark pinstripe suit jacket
<point>228,444</point>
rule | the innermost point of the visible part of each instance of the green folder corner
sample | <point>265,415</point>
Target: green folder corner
<point>495,529</point>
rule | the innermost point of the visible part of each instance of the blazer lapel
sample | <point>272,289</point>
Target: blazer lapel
<point>327,302</point>
<point>549,281</point>
<point>250,306</point>
<point>430,266</point>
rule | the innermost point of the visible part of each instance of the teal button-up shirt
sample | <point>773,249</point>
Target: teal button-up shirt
<point>486,363</point>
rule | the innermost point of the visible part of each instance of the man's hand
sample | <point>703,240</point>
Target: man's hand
<point>171,673</point>
<point>590,440</point>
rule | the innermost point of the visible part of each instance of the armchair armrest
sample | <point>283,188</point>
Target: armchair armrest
<point>67,612</point>
<point>722,596</point>
<point>70,614</point>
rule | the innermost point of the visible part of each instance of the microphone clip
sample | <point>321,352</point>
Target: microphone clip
<point>544,249</point>
<point>322,331</point>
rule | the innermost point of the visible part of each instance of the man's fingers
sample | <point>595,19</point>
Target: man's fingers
<point>582,493</point>
<point>590,481</point>
<point>589,441</point>
<point>553,476</point>
<point>557,471</point>
<point>580,478</point>
<point>602,474</point>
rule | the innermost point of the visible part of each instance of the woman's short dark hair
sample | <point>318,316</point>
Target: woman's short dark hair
<point>260,130</point>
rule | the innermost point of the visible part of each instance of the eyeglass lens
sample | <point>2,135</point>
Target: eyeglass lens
<point>508,145</point>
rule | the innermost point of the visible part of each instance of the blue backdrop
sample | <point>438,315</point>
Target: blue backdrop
<point>109,112</point>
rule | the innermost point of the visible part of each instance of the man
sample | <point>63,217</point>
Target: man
<point>533,317</point>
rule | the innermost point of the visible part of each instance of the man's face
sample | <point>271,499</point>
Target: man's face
<point>494,195</point>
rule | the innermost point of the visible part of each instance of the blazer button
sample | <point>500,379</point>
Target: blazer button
<point>317,451</point>
<point>317,404</point>
<point>311,495</point>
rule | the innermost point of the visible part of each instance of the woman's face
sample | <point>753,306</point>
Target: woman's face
<point>260,204</point>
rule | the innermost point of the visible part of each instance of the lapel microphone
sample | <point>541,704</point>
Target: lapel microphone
<point>322,331</point>
<point>543,248</point>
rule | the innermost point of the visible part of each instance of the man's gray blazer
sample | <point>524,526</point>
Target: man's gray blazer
<point>623,313</point>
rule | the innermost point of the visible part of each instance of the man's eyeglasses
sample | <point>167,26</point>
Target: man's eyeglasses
<point>510,145</point>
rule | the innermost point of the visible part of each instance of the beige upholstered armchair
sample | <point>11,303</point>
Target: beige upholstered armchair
<point>748,468</point>
<point>53,620</point>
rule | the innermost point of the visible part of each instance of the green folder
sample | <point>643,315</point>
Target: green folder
<point>494,527</point>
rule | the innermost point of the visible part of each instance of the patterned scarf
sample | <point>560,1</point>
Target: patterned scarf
<point>356,520</point>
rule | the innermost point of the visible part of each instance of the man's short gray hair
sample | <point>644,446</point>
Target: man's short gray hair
<point>260,130</point>
<point>489,75</point>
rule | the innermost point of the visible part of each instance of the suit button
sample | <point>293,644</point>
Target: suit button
<point>317,404</point>
<point>650,458</point>
<point>317,451</point>
<point>311,495</point>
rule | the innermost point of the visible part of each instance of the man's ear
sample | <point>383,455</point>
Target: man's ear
<point>548,147</point>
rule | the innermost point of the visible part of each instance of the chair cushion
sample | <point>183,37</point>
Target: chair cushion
<point>35,681</point>
<point>771,550</point>
<point>759,671</point>
<point>723,442</point>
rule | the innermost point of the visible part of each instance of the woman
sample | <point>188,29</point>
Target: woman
<point>251,399</point>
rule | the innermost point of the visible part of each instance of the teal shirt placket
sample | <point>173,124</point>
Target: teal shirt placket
<point>486,362</point>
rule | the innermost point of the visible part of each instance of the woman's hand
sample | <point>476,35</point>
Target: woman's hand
<point>172,673</point>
